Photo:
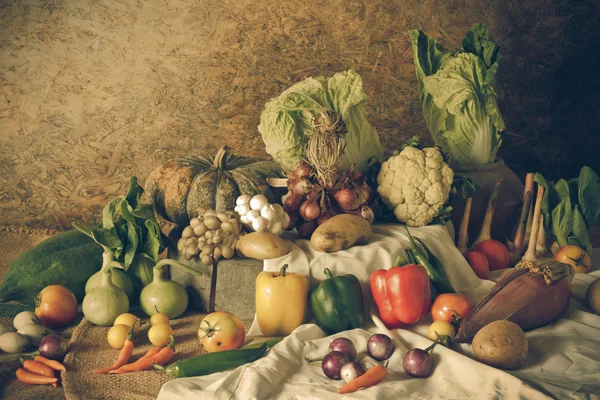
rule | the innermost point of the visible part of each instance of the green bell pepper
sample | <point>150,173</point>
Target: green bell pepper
<point>337,303</point>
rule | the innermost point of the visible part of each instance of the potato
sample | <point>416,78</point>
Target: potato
<point>501,344</point>
<point>340,232</point>
<point>261,246</point>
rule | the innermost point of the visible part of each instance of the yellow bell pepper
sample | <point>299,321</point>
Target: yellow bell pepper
<point>281,301</point>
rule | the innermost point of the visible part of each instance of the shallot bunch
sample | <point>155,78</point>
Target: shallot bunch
<point>309,203</point>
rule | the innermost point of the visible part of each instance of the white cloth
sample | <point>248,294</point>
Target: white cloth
<point>563,361</point>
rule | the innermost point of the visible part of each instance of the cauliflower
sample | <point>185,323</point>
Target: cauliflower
<point>415,184</point>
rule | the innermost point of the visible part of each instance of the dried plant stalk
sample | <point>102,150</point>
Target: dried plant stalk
<point>326,145</point>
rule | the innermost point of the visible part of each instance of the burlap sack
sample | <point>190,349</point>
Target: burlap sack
<point>89,350</point>
<point>12,243</point>
<point>88,347</point>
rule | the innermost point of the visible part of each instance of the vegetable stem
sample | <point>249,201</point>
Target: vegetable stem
<point>516,246</point>
<point>519,239</point>
<point>463,232</point>
<point>486,226</point>
<point>531,254</point>
<point>283,269</point>
<point>158,268</point>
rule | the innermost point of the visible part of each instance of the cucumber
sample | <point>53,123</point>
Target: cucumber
<point>67,259</point>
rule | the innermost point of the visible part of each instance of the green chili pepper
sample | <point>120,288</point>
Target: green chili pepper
<point>437,276</point>
<point>210,363</point>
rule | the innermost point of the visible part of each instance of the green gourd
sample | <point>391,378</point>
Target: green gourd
<point>119,278</point>
<point>67,259</point>
<point>104,303</point>
<point>165,295</point>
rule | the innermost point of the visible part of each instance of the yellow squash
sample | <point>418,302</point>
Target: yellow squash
<point>281,301</point>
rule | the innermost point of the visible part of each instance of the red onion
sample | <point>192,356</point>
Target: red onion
<point>380,347</point>
<point>333,363</point>
<point>300,186</point>
<point>292,202</point>
<point>306,228</point>
<point>53,347</point>
<point>323,217</point>
<point>351,371</point>
<point>294,218</point>
<point>344,345</point>
<point>302,170</point>
<point>367,213</point>
<point>310,210</point>
<point>348,199</point>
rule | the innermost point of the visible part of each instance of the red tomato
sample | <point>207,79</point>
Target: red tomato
<point>448,304</point>
<point>221,331</point>
<point>574,256</point>
<point>56,306</point>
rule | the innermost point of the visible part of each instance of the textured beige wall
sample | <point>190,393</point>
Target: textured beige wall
<point>94,91</point>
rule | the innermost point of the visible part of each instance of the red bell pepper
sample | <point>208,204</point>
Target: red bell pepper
<point>402,294</point>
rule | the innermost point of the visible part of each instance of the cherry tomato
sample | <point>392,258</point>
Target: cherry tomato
<point>448,304</point>
<point>221,331</point>
<point>574,256</point>
<point>117,335</point>
<point>159,318</point>
<point>128,319</point>
<point>56,306</point>
<point>441,331</point>
<point>159,334</point>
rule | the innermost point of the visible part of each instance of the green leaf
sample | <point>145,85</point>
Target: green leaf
<point>561,221</point>
<point>110,212</point>
<point>573,191</point>
<point>134,193</point>
<point>143,212</point>
<point>562,190</point>
<point>589,195</point>
<point>464,186</point>
<point>152,244</point>
<point>580,232</point>
<point>83,229</point>
<point>479,42</point>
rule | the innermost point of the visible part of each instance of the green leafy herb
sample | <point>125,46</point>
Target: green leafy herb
<point>458,96</point>
<point>130,232</point>
<point>571,207</point>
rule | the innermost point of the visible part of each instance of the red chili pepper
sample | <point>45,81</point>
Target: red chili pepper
<point>402,294</point>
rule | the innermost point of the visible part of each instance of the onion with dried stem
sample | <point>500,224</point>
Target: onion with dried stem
<point>325,147</point>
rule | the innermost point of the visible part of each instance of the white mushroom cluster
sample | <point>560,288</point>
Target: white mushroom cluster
<point>258,215</point>
<point>210,236</point>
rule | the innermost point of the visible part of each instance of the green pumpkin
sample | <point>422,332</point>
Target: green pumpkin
<point>181,187</point>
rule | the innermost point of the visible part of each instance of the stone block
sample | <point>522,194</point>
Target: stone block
<point>228,286</point>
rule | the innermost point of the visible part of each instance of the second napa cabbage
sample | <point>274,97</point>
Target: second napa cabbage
<point>456,90</point>
<point>286,122</point>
